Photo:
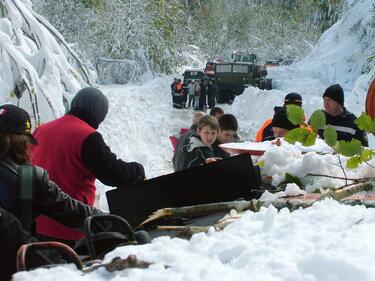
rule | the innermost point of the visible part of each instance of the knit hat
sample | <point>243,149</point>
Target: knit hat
<point>93,102</point>
<point>280,119</point>
<point>336,93</point>
<point>293,98</point>
<point>16,121</point>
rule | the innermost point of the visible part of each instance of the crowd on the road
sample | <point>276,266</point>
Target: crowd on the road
<point>198,94</point>
<point>63,158</point>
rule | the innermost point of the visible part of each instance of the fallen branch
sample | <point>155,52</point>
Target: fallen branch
<point>198,210</point>
<point>118,263</point>
<point>359,180</point>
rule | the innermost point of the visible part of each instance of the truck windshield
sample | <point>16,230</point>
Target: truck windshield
<point>240,68</point>
<point>220,68</point>
<point>193,75</point>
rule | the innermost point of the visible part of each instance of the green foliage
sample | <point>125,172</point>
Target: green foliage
<point>310,140</point>
<point>353,162</point>
<point>318,120</point>
<point>350,148</point>
<point>365,123</point>
<point>289,178</point>
<point>2,9</point>
<point>92,4</point>
<point>297,135</point>
<point>367,154</point>
<point>12,94</point>
<point>330,135</point>
<point>295,114</point>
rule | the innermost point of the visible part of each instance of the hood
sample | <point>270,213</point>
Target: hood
<point>194,142</point>
<point>92,104</point>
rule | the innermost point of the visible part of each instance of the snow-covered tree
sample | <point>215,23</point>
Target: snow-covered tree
<point>34,70</point>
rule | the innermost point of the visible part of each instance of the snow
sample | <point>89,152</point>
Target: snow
<point>327,241</point>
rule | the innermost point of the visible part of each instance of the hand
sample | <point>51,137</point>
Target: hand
<point>277,142</point>
<point>212,159</point>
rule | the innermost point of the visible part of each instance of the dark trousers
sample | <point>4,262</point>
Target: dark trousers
<point>202,101</point>
<point>191,101</point>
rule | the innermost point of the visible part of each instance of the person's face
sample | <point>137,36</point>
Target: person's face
<point>279,132</point>
<point>225,136</point>
<point>218,115</point>
<point>208,135</point>
<point>332,107</point>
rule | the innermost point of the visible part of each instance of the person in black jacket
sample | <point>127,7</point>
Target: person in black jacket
<point>48,198</point>
<point>12,236</point>
<point>339,117</point>
<point>199,150</point>
<point>75,155</point>
<point>179,155</point>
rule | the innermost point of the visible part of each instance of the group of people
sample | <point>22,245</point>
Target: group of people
<point>69,154</point>
<point>335,112</point>
<point>199,94</point>
<point>200,145</point>
<point>74,154</point>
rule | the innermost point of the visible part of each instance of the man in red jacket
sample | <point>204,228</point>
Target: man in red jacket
<point>75,155</point>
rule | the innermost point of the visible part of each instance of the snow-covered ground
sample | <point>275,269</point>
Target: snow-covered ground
<point>327,241</point>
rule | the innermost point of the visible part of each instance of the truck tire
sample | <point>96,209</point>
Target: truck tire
<point>262,84</point>
<point>239,91</point>
<point>268,84</point>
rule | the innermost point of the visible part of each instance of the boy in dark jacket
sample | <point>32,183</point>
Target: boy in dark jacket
<point>199,148</point>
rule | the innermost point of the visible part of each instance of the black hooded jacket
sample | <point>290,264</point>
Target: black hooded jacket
<point>91,106</point>
<point>48,198</point>
<point>102,162</point>
<point>12,236</point>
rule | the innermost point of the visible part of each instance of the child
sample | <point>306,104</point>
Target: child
<point>228,126</point>
<point>199,150</point>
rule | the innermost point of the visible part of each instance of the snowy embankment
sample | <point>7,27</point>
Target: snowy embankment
<point>326,242</point>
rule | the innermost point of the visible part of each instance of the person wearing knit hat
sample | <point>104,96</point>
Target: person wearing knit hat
<point>281,124</point>
<point>265,132</point>
<point>339,117</point>
<point>75,155</point>
<point>293,98</point>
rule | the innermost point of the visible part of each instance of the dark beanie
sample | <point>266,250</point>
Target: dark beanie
<point>280,119</point>
<point>93,102</point>
<point>293,98</point>
<point>336,93</point>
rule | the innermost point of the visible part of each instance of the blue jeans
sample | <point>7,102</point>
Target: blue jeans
<point>196,101</point>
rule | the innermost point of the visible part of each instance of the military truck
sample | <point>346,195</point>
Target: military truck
<point>193,74</point>
<point>234,75</point>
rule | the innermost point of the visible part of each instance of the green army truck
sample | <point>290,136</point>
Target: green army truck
<point>232,77</point>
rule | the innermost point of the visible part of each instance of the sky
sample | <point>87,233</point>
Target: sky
<point>328,241</point>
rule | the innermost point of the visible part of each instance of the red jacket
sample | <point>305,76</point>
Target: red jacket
<point>59,152</point>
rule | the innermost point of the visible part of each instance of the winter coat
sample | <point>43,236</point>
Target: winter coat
<point>218,152</point>
<point>179,155</point>
<point>12,236</point>
<point>196,152</point>
<point>265,132</point>
<point>48,198</point>
<point>197,91</point>
<point>345,127</point>
<point>191,88</point>
<point>75,154</point>
<point>179,87</point>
